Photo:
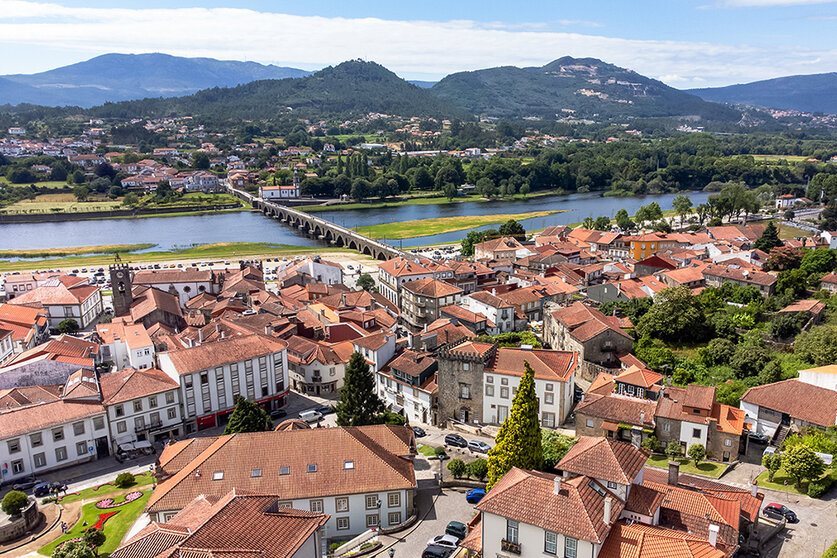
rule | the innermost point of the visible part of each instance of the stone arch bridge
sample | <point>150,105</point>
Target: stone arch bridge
<point>326,231</point>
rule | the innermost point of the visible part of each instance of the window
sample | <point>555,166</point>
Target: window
<point>394,518</point>
<point>98,423</point>
<point>172,413</point>
<point>39,459</point>
<point>464,391</point>
<point>504,381</point>
<point>14,445</point>
<point>695,432</point>
<point>348,465</point>
<point>312,467</point>
<point>154,418</point>
<point>504,393</point>
<point>284,470</point>
<point>139,423</point>
<point>152,402</point>
<point>548,420</point>
<point>78,428</point>
<point>342,523</point>
<point>316,506</point>
<point>466,366</point>
<point>611,485</point>
<point>512,528</point>
<point>666,427</point>
<point>727,442</point>
<point>61,454</point>
<point>548,387</point>
<point>590,423</point>
<point>548,398</point>
<point>121,427</point>
<point>218,475</point>
<point>255,473</point>
<point>169,397</point>
<point>489,379</point>
<point>138,406</point>
<point>81,448</point>
<point>204,378</point>
<point>341,505</point>
<point>696,411</point>
<point>372,520</point>
<point>119,411</point>
<point>57,434</point>
<point>17,466</point>
<point>371,501</point>
<point>285,504</point>
<point>36,440</point>
<point>550,542</point>
<point>393,499</point>
<point>570,547</point>
<point>489,391</point>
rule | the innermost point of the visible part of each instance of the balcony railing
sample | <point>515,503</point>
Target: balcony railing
<point>317,379</point>
<point>508,546</point>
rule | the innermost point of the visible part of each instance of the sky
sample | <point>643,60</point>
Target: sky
<point>684,43</point>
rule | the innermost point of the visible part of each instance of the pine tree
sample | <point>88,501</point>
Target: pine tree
<point>518,443</point>
<point>769,239</point>
<point>359,404</point>
<point>248,417</point>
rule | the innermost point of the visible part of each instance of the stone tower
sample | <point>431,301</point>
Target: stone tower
<point>121,283</point>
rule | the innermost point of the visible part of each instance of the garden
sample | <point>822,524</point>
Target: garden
<point>799,468</point>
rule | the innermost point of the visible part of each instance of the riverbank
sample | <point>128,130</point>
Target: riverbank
<point>177,211</point>
<point>107,249</point>
<point>441,225</point>
<point>428,200</point>
<point>204,252</point>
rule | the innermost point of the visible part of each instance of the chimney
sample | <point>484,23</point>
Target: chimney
<point>608,503</point>
<point>494,292</point>
<point>673,471</point>
<point>754,489</point>
<point>200,335</point>
<point>556,487</point>
<point>713,535</point>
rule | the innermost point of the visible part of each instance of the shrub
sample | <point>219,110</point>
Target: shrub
<point>457,468</point>
<point>819,487</point>
<point>334,546</point>
<point>94,537</point>
<point>773,462</point>
<point>674,450</point>
<point>14,502</point>
<point>651,443</point>
<point>124,480</point>
<point>396,419</point>
<point>478,469</point>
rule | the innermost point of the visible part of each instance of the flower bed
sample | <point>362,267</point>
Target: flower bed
<point>102,485</point>
<point>108,502</point>
<point>60,498</point>
<point>102,518</point>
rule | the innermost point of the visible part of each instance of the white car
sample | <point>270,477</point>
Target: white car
<point>310,415</point>
<point>446,541</point>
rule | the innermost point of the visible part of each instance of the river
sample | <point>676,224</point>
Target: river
<point>179,232</point>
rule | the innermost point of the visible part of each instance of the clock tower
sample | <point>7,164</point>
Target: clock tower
<point>121,284</point>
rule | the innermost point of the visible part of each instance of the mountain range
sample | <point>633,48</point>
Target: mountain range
<point>120,77</point>
<point>808,93</point>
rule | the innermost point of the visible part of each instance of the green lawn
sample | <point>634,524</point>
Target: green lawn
<point>43,184</point>
<point>789,232</point>
<point>115,527</point>
<point>76,251</point>
<point>427,451</point>
<point>706,468</point>
<point>144,479</point>
<point>780,478</point>
<point>439,225</point>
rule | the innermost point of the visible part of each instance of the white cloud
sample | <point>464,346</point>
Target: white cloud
<point>410,48</point>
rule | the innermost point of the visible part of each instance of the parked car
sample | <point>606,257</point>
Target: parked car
<point>456,441</point>
<point>46,488</point>
<point>474,495</point>
<point>278,413</point>
<point>324,409</point>
<point>419,432</point>
<point>310,416</point>
<point>457,529</point>
<point>478,446</point>
<point>25,483</point>
<point>769,450</point>
<point>758,438</point>
<point>577,393</point>
<point>435,551</point>
<point>778,511</point>
<point>448,541</point>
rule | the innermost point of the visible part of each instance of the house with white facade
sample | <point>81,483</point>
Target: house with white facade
<point>65,298</point>
<point>377,348</point>
<point>362,477</point>
<point>318,269</point>
<point>279,192</point>
<point>500,312</point>
<point>125,345</point>
<point>407,385</point>
<point>186,283</point>
<point>142,405</point>
<point>213,375</point>
<point>392,274</point>
<point>316,367</point>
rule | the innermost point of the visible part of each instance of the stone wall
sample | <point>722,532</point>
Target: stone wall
<point>15,528</point>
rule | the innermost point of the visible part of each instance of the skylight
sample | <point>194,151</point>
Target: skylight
<point>256,473</point>
<point>284,470</point>
<point>312,467</point>
<point>348,464</point>
<point>218,475</point>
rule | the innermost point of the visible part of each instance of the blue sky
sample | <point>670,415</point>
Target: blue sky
<point>682,42</point>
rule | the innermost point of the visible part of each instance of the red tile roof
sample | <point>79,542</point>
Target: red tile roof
<point>585,323</point>
<point>802,401</point>
<point>615,408</point>
<point>606,459</point>
<point>432,288</point>
<point>223,351</point>
<point>647,541</point>
<point>128,384</point>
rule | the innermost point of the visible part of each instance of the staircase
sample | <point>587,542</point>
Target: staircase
<point>780,436</point>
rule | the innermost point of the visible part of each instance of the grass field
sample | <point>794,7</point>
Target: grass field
<point>44,184</point>
<point>777,158</point>
<point>60,203</point>
<point>222,251</point>
<point>706,468</point>
<point>141,480</point>
<point>114,528</point>
<point>77,251</point>
<point>779,480</point>
<point>427,227</point>
<point>419,199</point>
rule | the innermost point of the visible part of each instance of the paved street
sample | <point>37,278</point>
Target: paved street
<point>815,531</point>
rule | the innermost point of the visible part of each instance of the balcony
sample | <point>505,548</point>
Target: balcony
<point>317,379</point>
<point>508,546</point>
<point>148,426</point>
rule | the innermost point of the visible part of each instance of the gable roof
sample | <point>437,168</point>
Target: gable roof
<point>606,459</point>
<point>802,401</point>
<point>585,323</point>
<point>223,351</point>
<point>638,540</point>
<point>128,384</point>
<point>615,408</point>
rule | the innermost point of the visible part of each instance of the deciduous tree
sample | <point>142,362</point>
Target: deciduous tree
<point>800,462</point>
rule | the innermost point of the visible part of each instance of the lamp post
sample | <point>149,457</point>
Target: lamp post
<point>391,552</point>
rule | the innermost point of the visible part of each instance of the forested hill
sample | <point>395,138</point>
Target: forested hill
<point>353,86</point>
<point>120,77</point>
<point>808,93</point>
<point>582,87</point>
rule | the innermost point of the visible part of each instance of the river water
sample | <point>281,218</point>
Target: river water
<point>180,232</point>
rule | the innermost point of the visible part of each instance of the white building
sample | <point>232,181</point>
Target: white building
<point>377,349</point>
<point>321,271</point>
<point>7,345</point>
<point>397,271</point>
<point>125,345</point>
<point>823,376</point>
<point>278,192</point>
<point>142,405</point>
<point>492,307</point>
<point>187,283</point>
<point>407,385</point>
<point>213,375</point>
<point>315,367</point>
<point>64,299</point>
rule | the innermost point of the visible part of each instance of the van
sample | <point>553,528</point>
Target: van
<point>310,415</point>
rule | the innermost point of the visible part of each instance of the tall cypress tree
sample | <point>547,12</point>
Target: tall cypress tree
<point>518,443</point>
<point>339,164</point>
<point>359,404</point>
<point>769,238</point>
